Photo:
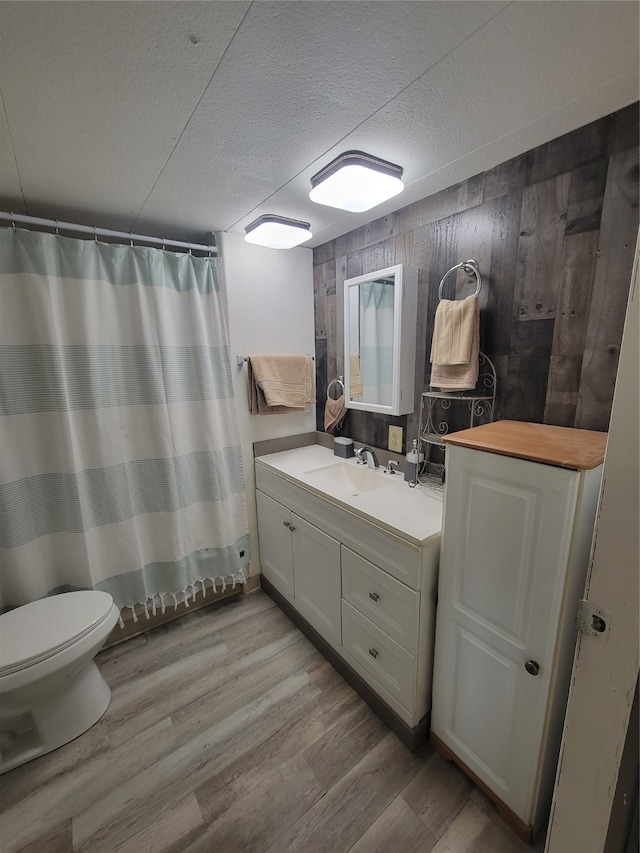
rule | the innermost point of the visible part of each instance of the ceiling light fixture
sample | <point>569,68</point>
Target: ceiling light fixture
<point>356,181</point>
<point>277,232</point>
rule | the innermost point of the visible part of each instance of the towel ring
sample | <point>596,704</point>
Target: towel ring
<point>333,382</point>
<point>470,268</point>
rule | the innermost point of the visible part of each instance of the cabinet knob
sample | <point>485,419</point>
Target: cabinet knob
<point>373,653</point>
<point>374,596</point>
<point>291,528</point>
<point>532,667</point>
<point>286,524</point>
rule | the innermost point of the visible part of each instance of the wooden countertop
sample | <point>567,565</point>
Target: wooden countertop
<point>565,447</point>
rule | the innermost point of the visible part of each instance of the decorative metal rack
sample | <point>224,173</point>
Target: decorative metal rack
<point>435,407</point>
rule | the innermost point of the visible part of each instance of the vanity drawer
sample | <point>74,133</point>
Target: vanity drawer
<point>389,604</point>
<point>384,659</point>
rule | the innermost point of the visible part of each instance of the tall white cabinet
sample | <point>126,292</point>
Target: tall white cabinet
<point>520,503</point>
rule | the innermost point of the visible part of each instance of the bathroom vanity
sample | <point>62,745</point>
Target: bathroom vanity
<point>351,555</point>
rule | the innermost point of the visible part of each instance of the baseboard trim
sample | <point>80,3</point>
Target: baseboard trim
<point>521,829</point>
<point>142,625</point>
<point>412,738</point>
<point>251,584</point>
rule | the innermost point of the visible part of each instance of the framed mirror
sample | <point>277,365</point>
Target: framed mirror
<point>380,340</point>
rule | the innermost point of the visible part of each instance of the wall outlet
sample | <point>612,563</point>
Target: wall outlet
<point>395,439</point>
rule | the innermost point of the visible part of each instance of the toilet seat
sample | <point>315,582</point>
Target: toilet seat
<point>38,630</point>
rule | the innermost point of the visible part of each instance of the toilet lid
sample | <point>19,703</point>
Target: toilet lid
<point>38,630</point>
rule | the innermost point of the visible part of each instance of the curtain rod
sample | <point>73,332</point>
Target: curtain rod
<point>105,232</point>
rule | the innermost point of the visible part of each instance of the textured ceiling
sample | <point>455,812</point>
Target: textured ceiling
<point>182,118</point>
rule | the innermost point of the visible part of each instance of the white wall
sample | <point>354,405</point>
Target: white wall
<point>269,297</point>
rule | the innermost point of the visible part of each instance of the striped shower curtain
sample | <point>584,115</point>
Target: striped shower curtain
<point>120,461</point>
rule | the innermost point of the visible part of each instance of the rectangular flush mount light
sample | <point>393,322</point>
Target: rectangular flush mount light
<point>277,232</point>
<point>356,181</point>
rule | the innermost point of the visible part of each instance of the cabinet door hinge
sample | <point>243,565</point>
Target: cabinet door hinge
<point>591,620</point>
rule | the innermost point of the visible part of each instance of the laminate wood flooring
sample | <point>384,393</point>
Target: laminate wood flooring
<point>227,732</point>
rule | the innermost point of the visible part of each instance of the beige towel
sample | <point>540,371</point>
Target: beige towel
<point>355,381</point>
<point>454,375</point>
<point>455,325</point>
<point>334,413</point>
<point>280,384</point>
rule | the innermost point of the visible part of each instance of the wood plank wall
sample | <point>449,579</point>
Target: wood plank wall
<point>554,232</point>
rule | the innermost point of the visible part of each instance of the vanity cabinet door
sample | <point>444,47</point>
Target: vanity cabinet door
<point>316,561</point>
<point>276,552</point>
<point>507,535</point>
<point>303,563</point>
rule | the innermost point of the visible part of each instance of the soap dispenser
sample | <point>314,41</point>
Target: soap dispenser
<point>413,462</point>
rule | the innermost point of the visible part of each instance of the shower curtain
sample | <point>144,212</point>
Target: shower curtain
<point>376,341</point>
<point>120,462</point>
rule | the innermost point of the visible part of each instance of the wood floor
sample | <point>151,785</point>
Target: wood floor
<point>227,732</point>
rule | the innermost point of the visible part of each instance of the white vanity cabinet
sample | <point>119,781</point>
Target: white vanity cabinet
<point>303,563</point>
<point>520,504</point>
<point>367,593</point>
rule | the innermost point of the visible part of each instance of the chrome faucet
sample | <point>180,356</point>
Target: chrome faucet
<point>366,454</point>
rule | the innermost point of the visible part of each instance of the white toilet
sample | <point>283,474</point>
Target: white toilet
<point>51,691</point>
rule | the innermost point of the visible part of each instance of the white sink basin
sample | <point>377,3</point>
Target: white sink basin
<point>352,478</point>
<point>387,501</point>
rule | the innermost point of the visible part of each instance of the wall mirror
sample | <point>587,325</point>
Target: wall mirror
<point>380,340</point>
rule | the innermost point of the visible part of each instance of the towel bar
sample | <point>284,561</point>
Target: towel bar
<point>470,268</point>
<point>242,359</point>
<point>333,382</point>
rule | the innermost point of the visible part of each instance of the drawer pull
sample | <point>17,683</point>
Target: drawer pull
<point>374,596</point>
<point>373,653</point>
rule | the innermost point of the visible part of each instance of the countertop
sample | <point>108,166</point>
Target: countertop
<point>580,449</point>
<point>412,514</point>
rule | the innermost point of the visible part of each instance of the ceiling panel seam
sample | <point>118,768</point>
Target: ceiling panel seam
<point>514,130</point>
<point>374,113</point>
<point>13,151</point>
<point>191,115</point>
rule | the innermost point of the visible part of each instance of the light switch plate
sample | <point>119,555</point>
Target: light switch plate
<point>395,439</point>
